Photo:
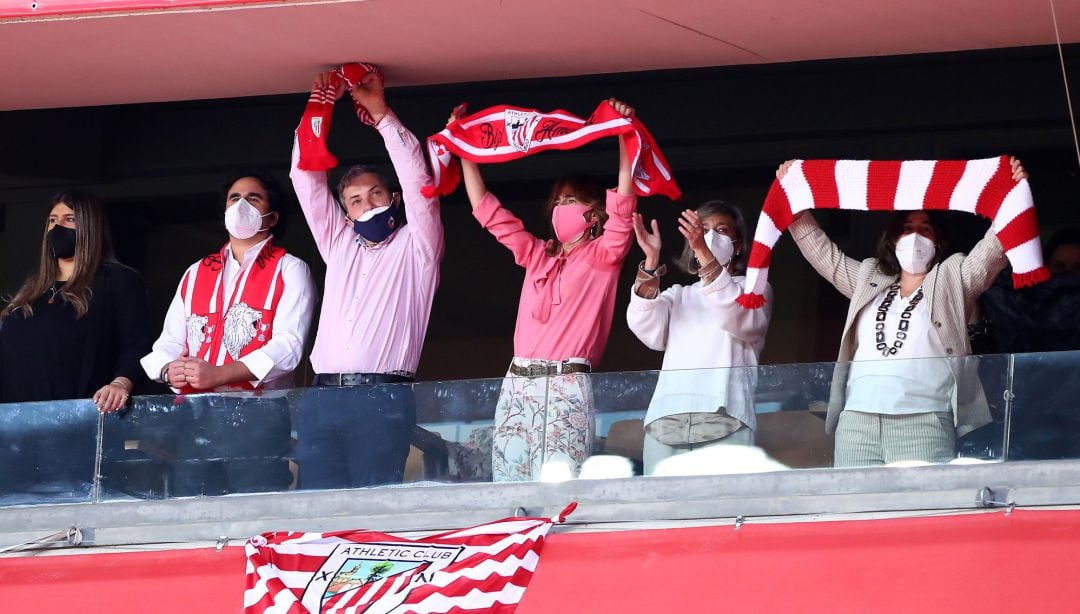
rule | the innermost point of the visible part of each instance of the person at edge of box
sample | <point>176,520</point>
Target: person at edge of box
<point>355,428</point>
<point>237,323</point>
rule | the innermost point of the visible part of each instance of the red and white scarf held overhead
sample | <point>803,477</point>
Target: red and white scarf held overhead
<point>983,187</point>
<point>503,133</point>
<point>314,128</point>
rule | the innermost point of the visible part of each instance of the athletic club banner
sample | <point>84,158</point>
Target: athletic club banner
<point>503,133</point>
<point>482,569</point>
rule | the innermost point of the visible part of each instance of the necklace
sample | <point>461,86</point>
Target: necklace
<point>53,291</point>
<point>901,326</point>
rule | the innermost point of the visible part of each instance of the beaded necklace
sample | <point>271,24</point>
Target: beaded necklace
<point>901,327</point>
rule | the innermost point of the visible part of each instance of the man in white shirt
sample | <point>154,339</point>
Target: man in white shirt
<point>237,323</point>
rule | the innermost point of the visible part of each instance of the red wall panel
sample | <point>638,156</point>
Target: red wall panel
<point>1026,561</point>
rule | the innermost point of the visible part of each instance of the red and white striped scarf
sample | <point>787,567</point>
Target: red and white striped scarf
<point>481,569</point>
<point>503,133</point>
<point>984,187</point>
<point>314,129</point>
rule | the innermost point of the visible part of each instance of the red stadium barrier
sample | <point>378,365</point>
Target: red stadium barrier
<point>1023,562</point>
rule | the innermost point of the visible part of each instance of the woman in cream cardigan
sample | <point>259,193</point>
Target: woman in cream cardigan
<point>901,390</point>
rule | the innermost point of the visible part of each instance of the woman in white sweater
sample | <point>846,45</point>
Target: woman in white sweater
<point>705,393</point>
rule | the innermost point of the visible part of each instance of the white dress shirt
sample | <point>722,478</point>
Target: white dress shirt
<point>272,363</point>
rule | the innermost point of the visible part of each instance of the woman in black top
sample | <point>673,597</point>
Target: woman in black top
<point>78,325</point>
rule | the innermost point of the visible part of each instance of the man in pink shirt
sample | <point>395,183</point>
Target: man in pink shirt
<point>381,276</point>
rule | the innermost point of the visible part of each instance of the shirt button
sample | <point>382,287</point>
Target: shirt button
<point>937,324</point>
<point>948,351</point>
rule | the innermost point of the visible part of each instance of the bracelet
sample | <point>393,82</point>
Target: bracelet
<point>119,383</point>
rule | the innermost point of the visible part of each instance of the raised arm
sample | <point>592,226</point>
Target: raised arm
<point>408,160</point>
<point>487,210</point>
<point>508,230</point>
<point>822,254</point>
<point>987,258</point>
<point>613,245</point>
<point>324,216</point>
<point>474,182</point>
<point>649,310</point>
<point>626,174</point>
<point>470,171</point>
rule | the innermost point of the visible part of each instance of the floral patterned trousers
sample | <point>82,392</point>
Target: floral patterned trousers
<point>541,420</point>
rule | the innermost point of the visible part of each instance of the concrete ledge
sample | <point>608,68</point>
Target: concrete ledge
<point>628,503</point>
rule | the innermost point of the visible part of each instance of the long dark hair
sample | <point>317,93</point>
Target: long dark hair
<point>686,260</point>
<point>93,246</point>
<point>588,192</point>
<point>885,252</point>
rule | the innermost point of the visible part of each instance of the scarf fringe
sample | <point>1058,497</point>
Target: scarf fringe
<point>1031,278</point>
<point>751,300</point>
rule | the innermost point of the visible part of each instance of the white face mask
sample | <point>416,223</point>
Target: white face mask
<point>720,245</point>
<point>243,220</point>
<point>915,253</point>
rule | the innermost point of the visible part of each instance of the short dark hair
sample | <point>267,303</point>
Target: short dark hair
<point>687,262</point>
<point>355,172</point>
<point>273,189</point>
<point>885,252</point>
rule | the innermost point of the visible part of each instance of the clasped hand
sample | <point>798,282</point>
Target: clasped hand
<point>193,372</point>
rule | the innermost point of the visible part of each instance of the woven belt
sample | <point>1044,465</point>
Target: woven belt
<point>359,379</point>
<point>542,369</point>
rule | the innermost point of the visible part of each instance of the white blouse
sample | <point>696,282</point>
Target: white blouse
<point>916,379</point>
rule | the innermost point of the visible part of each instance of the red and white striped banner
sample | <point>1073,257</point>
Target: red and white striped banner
<point>482,569</point>
<point>984,187</point>
<point>503,133</point>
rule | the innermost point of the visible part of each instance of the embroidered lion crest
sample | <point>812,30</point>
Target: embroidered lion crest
<point>240,323</point>
<point>196,333</point>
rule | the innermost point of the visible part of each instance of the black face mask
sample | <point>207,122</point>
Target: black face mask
<point>62,241</point>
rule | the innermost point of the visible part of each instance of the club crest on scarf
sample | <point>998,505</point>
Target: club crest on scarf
<point>361,573</point>
<point>316,127</point>
<point>520,126</point>
<point>503,133</point>
<point>240,322</point>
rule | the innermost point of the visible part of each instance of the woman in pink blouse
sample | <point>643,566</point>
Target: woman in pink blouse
<point>545,409</point>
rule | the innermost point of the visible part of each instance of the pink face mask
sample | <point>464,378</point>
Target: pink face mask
<point>569,222</point>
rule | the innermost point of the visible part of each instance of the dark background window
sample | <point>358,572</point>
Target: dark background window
<point>159,168</point>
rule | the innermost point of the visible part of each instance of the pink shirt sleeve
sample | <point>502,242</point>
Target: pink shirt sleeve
<point>321,210</point>
<point>508,230</point>
<point>408,160</point>
<point>613,245</point>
